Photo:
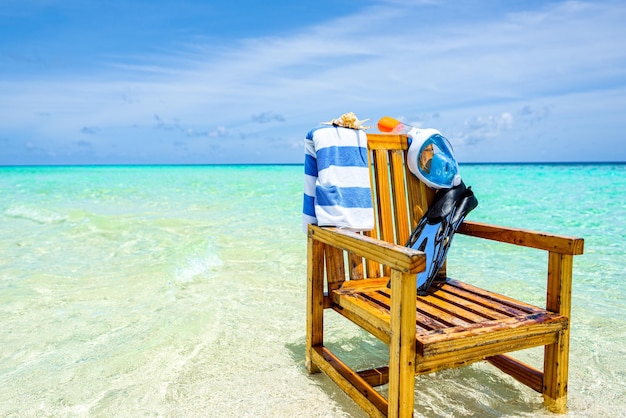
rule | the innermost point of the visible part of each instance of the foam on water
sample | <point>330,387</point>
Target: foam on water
<point>35,214</point>
<point>180,291</point>
<point>198,266</point>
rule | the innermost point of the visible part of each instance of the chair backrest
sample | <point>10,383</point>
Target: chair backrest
<point>399,198</point>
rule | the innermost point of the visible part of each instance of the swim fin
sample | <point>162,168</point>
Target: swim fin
<point>434,232</point>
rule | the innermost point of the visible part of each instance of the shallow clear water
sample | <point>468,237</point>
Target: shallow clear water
<point>180,291</point>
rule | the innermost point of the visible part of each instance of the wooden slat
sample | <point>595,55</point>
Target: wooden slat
<point>495,305</point>
<point>475,335</point>
<point>351,304</point>
<point>415,200</point>
<point>372,402</point>
<point>432,315</point>
<point>522,372</point>
<point>383,194</point>
<point>387,142</point>
<point>470,304</point>
<point>335,267</point>
<point>491,296</point>
<point>533,239</point>
<point>367,315</point>
<point>384,204</point>
<point>373,269</point>
<point>368,285</point>
<point>375,377</point>
<point>458,311</point>
<point>419,198</point>
<point>355,266</point>
<point>445,360</point>
<point>398,186</point>
<point>424,322</point>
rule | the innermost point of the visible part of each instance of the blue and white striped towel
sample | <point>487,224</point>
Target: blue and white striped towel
<point>337,190</point>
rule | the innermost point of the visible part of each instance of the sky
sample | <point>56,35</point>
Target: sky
<point>239,82</point>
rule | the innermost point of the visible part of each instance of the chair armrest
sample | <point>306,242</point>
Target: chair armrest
<point>533,239</point>
<point>398,257</point>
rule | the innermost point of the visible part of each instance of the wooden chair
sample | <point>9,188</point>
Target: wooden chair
<point>455,324</point>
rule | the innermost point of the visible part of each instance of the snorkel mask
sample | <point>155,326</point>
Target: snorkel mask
<point>431,159</point>
<point>430,155</point>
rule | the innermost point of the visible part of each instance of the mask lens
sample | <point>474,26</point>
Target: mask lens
<point>436,161</point>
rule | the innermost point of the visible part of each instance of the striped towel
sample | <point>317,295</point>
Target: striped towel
<point>337,190</point>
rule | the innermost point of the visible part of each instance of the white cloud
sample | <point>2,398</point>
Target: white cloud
<point>484,127</point>
<point>267,117</point>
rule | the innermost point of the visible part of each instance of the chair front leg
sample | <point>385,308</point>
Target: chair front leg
<point>556,356</point>
<point>402,345</point>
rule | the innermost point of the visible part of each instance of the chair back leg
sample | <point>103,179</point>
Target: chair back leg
<point>315,301</point>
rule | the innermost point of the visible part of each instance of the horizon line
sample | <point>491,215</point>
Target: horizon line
<point>296,164</point>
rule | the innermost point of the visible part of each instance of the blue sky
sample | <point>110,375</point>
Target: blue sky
<point>198,81</point>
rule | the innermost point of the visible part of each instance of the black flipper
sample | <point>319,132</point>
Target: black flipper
<point>434,232</point>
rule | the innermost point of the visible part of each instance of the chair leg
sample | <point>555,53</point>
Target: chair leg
<point>555,374</point>
<point>402,345</point>
<point>556,356</point>
<point>315,301</point>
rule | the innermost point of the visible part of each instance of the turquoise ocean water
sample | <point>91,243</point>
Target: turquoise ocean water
<point>179,291</point>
